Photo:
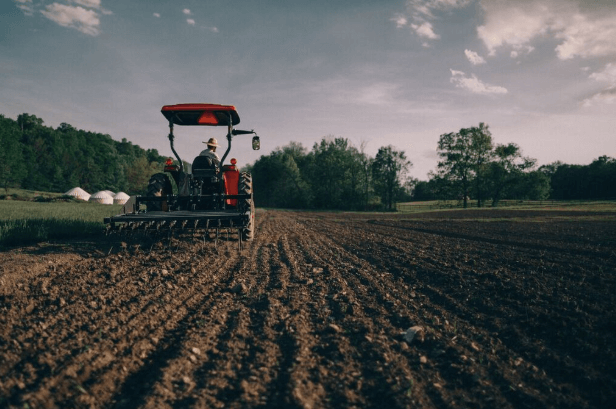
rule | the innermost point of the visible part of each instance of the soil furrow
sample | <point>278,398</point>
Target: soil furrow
<point>516,309</point>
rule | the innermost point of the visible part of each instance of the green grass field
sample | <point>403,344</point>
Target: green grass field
<point>589,206</point>
<point>23,222</point>
<point>29,221</point>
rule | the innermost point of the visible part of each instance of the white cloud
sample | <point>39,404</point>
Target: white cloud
<point>212,29</point>
<point>375,94</point>
<point>157,15</point>
<point>427,8</point>
<point>422,12</point>
<point>608,74</point>
<point>190,21</point>
<point>425,30</point>
<point>399,19</point>
<point>187,12</point>
<point>474,58</point>
<point>88,3</point>
<point>607,95</point>
<point>86,21</point>
<point>516,23</point>
<point>586,37</point>
<point>25,6</point>
<point>473,84</point>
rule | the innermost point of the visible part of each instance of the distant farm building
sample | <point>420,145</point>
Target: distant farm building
<point>78,193</point>
<point>101,197</point>
<point>120,198</point>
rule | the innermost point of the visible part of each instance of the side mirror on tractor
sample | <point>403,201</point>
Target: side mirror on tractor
<point>256,143</point>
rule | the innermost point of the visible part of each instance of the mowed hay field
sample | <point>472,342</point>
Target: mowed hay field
<point>511,309</point>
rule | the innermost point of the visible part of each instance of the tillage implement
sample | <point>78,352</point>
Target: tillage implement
<point>212,198</point>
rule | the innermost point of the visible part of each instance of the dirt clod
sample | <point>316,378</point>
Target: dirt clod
<point>413,333</point>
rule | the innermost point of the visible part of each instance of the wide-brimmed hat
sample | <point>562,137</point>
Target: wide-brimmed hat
<point>212,142</point>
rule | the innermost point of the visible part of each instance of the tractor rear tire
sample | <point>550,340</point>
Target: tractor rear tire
<point>245,187</point>
<point>158,186</point>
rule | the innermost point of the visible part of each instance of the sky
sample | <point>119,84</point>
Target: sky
<point>539,73</point>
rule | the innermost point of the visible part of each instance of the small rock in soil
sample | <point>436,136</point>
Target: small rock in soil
<point>423,359</point>
<point>239,289</point>
<point>413,332</point>
<point>195,351</point>
<point>335,328</point>
<point>317,270</point>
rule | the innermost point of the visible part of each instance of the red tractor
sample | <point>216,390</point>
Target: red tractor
<point>213,197</point>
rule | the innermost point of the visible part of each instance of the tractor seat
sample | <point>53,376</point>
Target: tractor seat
<point>205,167</point>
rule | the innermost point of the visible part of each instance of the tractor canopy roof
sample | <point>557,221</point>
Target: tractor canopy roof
<point>201,114</point>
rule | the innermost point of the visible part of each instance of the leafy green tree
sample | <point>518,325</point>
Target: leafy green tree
<point>328,172</point>
<point>138,172</point>
<point>388,171</point>
<point>65,157</point>
<point>278,181</point>
<point>12,166</point>
<point>464,155</point>
<point>506,170</point>
<point>28,122</point>
<point>583,182</point>
<point>533,185</point>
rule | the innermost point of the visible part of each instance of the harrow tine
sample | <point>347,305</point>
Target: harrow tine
<point>217,234</point>
<point>207,231</point>
<point>239,238</point>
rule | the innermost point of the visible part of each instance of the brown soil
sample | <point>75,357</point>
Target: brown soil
<point>518,311</point>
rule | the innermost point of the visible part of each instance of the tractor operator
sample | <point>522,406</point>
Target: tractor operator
<point>212,144</point>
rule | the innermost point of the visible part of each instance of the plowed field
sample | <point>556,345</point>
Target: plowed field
<point>516,309</point>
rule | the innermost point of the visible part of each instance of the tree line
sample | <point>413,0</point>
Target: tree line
<point>334,174</point>
<point>472,166</point>
<point>37,157</point>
